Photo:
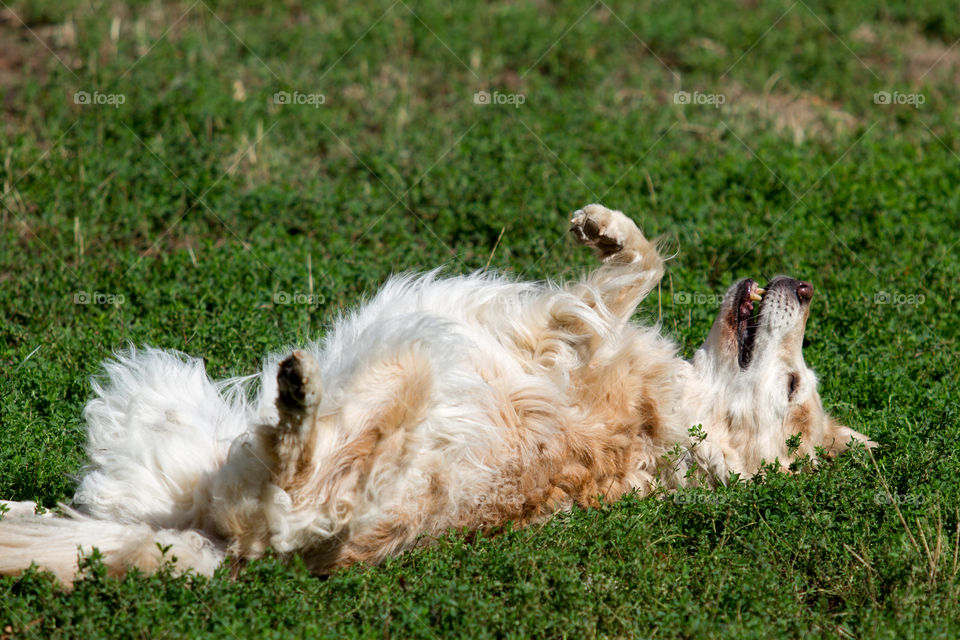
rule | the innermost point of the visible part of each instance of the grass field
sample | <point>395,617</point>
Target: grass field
<point>222,178</point>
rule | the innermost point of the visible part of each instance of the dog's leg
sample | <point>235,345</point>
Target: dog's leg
<point>299,388</point>
<point>632,266</point>
<point>334,469</point>
<point>299,392</point>
<point>12,509</point>
<point>246,489</point>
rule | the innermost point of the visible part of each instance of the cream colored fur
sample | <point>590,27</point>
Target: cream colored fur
<point>461,402</point>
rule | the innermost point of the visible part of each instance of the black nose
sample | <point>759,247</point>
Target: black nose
<point>804,291</point>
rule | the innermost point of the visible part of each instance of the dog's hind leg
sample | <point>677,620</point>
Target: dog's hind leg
<point>632,266</point>
<point>245,502</point>
<point>386,399</point>
<point>299,390</point>
<point>322,473</point>
<point>56,544</point>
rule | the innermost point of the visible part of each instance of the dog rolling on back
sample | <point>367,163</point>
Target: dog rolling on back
<point>465,402</point>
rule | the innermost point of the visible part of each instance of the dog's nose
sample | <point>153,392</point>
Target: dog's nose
<point>805,291</point>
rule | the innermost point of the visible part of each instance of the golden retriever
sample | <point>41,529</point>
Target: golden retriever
<point>465,402</point>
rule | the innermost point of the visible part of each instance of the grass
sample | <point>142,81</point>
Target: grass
<point>187,215</point>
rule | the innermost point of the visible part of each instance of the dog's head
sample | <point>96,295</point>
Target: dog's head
<point>753,363</point>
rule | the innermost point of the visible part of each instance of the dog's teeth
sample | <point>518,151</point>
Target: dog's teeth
<point>755,297</point>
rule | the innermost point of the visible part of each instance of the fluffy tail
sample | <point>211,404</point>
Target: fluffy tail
<point>57,543</point>
<point>158,431</point>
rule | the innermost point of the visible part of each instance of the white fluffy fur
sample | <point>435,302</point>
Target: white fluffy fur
<point>482,379</point>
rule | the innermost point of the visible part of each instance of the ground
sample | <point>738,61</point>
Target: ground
<point>222,178</point>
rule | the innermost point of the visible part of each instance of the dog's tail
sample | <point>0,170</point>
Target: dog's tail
<point>57,544</point>
<point>158,432</point>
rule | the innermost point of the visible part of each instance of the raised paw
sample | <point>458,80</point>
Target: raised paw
<point>606,231</point>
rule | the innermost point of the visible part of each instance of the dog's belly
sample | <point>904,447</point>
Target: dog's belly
<point>521,448</point>
<point>466,403</point>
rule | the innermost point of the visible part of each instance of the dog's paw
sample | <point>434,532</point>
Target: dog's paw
<point>604,230</point>
<point>298,382</point>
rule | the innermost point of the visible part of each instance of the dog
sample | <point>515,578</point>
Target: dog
<point>467,402</point>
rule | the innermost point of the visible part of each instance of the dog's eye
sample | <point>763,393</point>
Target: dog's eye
<point>792,381</point>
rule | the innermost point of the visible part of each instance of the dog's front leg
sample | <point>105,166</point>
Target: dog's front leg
<point>632,266</point>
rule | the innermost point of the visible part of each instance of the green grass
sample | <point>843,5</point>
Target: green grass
<point>186,213</point>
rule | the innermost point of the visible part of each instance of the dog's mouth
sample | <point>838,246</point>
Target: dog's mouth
<point>752,320</point>
<point>746,319</point>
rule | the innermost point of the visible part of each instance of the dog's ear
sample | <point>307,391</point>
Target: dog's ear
<point>837,437</point>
